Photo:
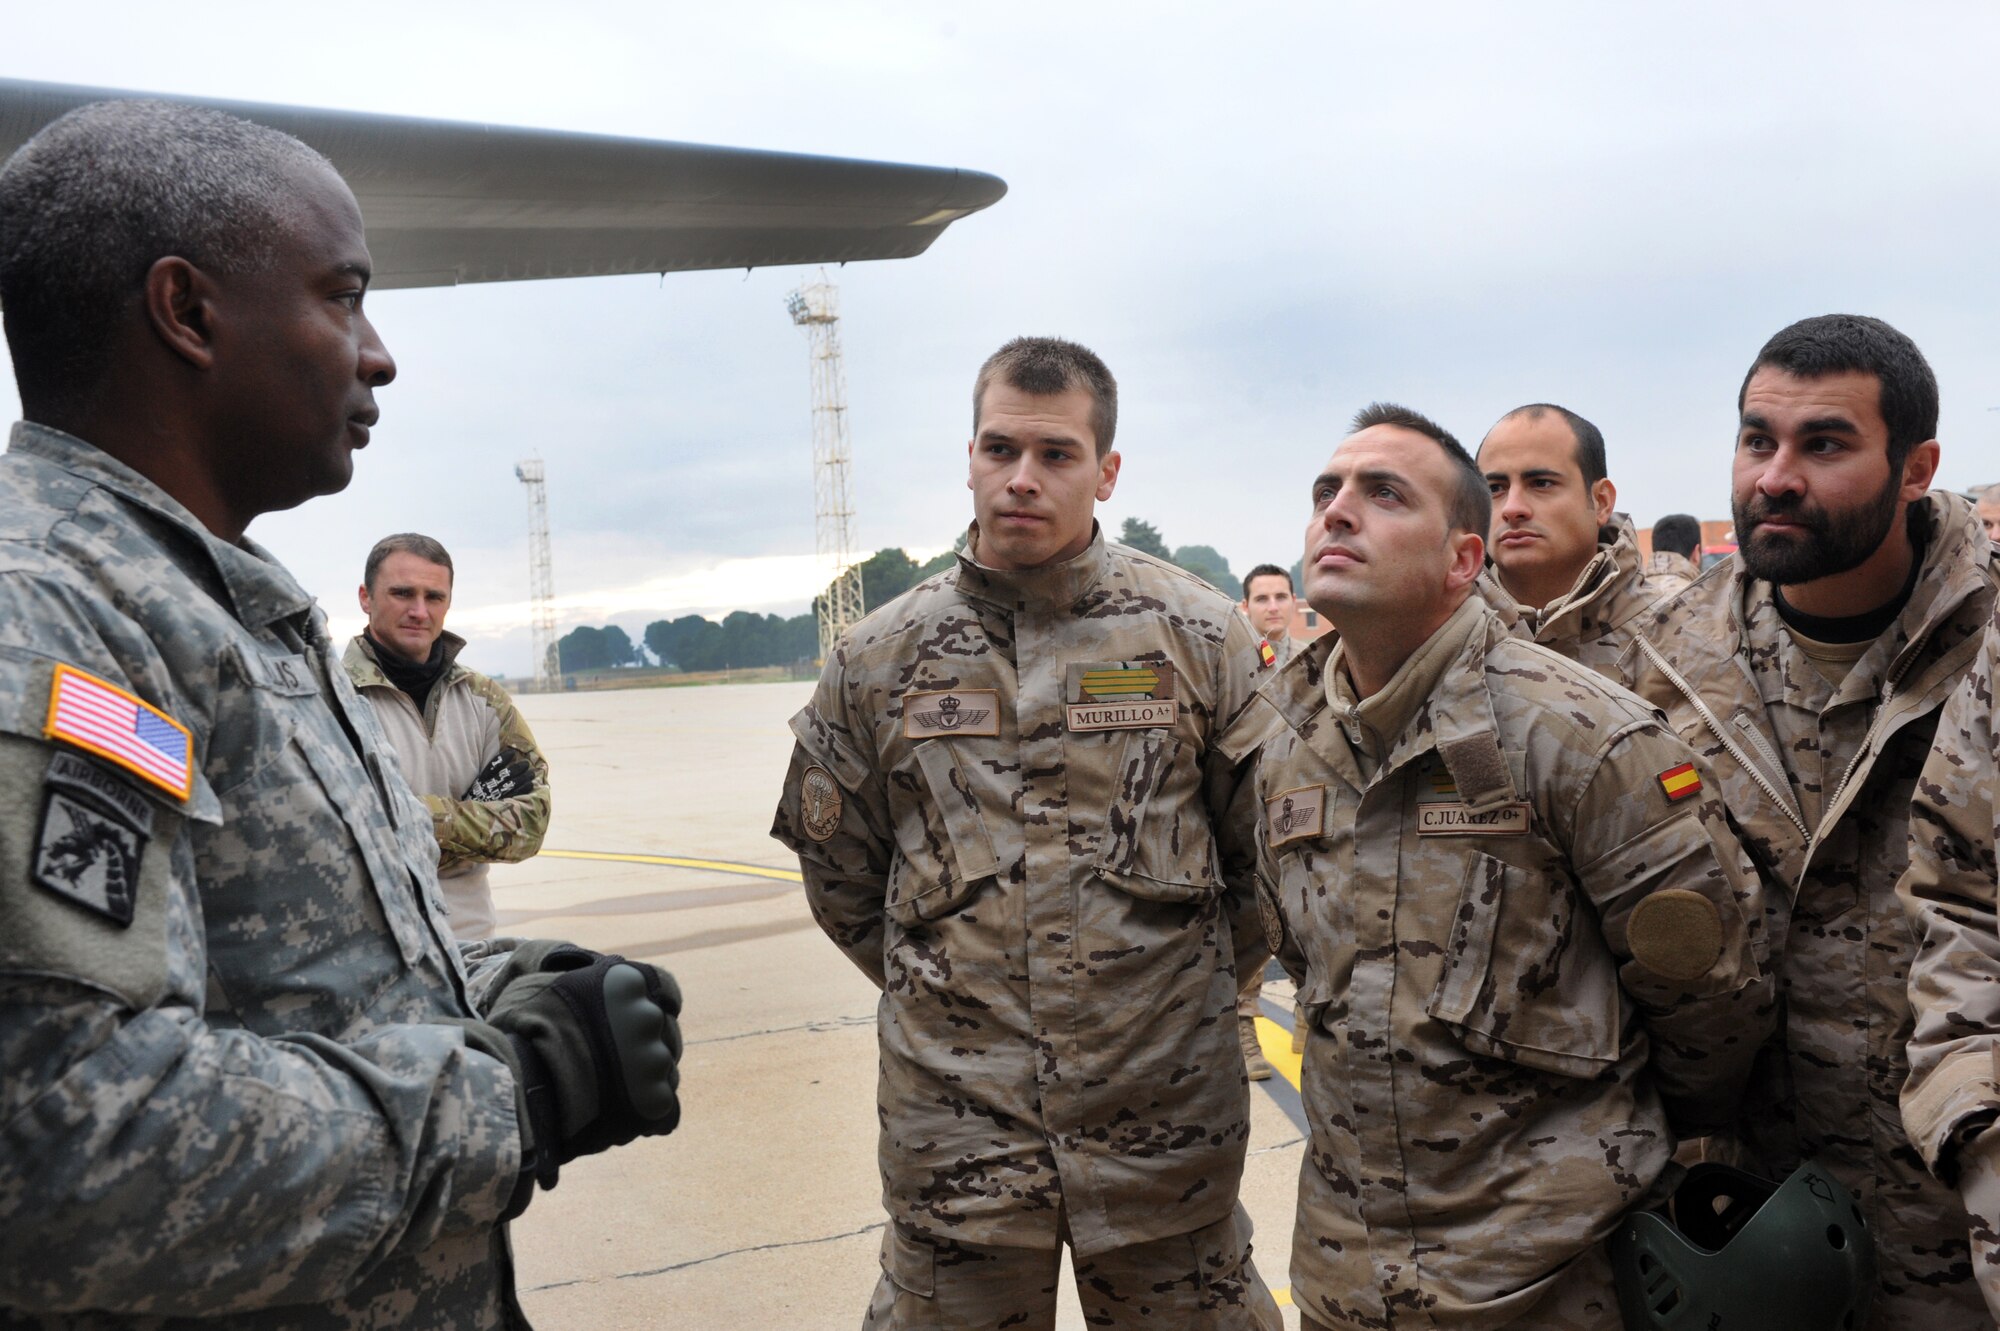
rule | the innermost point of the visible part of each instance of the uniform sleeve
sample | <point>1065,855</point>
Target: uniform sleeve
<point>505,829</point>
<point>151,1163</point>
<point>1680,908</point>
<point>1230,793</point>
<point>1953,1089</point>
<point>834,815</point>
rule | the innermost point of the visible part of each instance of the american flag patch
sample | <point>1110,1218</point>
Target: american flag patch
<point>103,719</point>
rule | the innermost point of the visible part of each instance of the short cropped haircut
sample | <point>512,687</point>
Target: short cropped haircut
<point>1678,532</point>
<point>1470,507</point>
<point>93,200</point>
<point>1589,439</point>
<point>1046,366</point>
<point>1838,343</point>
<point>404,543</point>
<point>1266,571</point>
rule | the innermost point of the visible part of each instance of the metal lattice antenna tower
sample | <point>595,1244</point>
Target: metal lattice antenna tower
<point>816,308</point>
<point>541,576</point>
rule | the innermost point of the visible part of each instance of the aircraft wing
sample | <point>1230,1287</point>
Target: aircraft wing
<point>448,202</point>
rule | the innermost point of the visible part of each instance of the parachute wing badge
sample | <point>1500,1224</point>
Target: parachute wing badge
<point>819,804</point>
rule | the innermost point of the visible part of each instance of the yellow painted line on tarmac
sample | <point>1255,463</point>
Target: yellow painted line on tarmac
<point>682,862</point>
<point>1277,1045</point>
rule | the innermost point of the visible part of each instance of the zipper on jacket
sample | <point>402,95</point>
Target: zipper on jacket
<point>1729,742</point>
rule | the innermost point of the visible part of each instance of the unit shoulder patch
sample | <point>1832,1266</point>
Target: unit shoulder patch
<point>88,857</point>
<point>951,712</point>
<point>1680,783</point>
<point>1295,815</point>
<point>1675,933</point>
<point>819,804</point>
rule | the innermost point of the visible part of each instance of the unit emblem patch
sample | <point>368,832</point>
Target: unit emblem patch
<point>951,712</point>
<point>89,857</point>
<point>1294,815</point>
<point>819,804</point>
<point>1120,695</point>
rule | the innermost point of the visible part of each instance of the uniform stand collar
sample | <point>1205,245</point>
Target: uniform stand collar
<point>1050,587</point>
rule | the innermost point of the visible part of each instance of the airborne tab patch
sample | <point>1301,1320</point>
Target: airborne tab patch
<point>1121,695</point>
<point>951,712</point>
<point>1680,783</point>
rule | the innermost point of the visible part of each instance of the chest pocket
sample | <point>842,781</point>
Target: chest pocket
<point>1527,977</point>
<point>944,854</point>
<point>1317,912</point>
<point>1156,842</point>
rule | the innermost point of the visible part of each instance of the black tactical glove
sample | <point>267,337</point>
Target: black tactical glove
<point>505,777</point>
<point>597,1049</point>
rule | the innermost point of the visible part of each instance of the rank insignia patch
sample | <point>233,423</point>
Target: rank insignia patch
<point>1120,696</point>
<point>951,712</point>
<point>89,857</point>
<point>819,804</point>
<point>101,718</point>
<point>1294,815</point>
<point>1680,782</point>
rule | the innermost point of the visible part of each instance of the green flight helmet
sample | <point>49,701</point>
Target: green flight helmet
<point>1742,1255</point>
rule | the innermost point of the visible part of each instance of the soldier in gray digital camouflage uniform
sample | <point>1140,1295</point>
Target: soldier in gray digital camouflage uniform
<point>1808,673</point>
<point>1526,945</point>
<point>249,1081</point>
<point>1009,811</point>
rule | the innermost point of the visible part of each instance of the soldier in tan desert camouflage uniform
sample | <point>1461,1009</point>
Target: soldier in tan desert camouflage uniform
<point>1566,571</point>
<point>1010,814</point>
<point>1676,559</point>
<point>1951,1102</point>
<point>1808,675</point>
<point>1525,941</point>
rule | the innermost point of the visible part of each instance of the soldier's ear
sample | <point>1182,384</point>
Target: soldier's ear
<point>179,306</point>
<point>1107,474</point>
<point>1603,500</point>
<point>1920,469</point>
<point>1468,557</point>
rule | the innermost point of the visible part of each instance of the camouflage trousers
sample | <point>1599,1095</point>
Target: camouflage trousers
<point>1200,1281</point>
<point>1581,1297</point>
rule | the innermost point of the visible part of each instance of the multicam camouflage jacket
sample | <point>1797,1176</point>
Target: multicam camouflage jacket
<point>1528,951</point>
<point>1950,890</point>
<point>1010,813</point>
<point>234,1091</point>
<point>1595,621</point>
<point>473,761</point>
<point>1819,780</point>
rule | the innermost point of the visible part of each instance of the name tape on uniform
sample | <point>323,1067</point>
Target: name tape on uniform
<point>1294,815</point>
<point>951,712</point>
<point>1120,695</point>
<point>1443,819</point>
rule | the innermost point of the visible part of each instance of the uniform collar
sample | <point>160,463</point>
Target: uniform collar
<point>259,590</point>
<point>1616,563</point>
<point>365,670</point>
<point>1051,587</point>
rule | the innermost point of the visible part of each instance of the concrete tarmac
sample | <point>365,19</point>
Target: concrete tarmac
<point>764,1208</point>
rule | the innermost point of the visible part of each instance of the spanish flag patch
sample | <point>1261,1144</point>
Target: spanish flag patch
<point>1265,653</point>
<point>1680,782</point>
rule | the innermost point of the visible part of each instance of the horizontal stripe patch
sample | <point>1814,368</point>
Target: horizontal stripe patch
<point>99,717</point>
<point>1680,782</point>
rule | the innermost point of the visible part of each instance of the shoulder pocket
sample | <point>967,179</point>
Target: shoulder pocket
<point>944,854</point>
<point>1157,844</point>
<point>1527,977</point>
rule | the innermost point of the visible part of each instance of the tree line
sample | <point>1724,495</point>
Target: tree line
<point>744,639</point>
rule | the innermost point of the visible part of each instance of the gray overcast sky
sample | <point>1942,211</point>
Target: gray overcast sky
<point>1262,218</point>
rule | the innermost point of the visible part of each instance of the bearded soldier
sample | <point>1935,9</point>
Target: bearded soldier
<point>1808,675</point>
<point>1011,814</point>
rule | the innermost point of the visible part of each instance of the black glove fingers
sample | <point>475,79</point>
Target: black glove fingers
<point>647,1062</point>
